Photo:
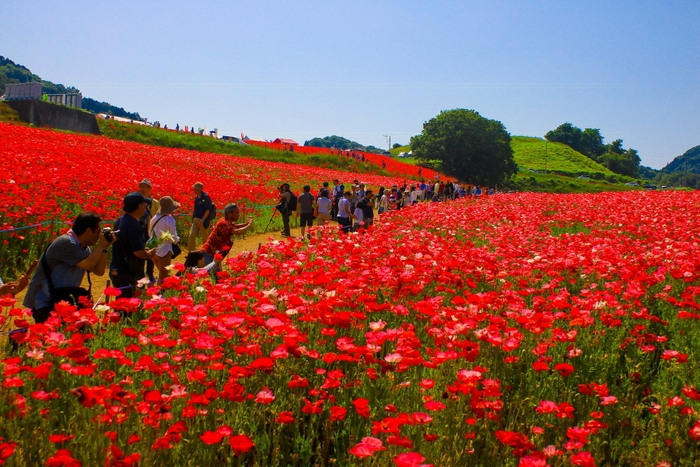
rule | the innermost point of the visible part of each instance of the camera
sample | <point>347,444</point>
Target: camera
<point>109,234</point>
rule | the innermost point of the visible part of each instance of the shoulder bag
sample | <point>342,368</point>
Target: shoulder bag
<point>68,294</point>
<point>176,248</point>
<point>134,264</point>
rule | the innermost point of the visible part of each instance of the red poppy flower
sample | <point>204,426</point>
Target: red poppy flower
<point>211,437</point>
<point>338,413</point>
<point>409,459</point>
<point>285,418</point>
<point>564,369</point>
<point>60,438</point>
<point>241,444</point>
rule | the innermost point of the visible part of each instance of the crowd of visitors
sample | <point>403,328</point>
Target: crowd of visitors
<point>145,238</point>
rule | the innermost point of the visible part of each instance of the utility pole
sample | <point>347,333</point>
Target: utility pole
<point>388,138</point>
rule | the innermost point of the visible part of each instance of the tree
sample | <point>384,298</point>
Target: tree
<point>566,133</point>
<point>615,147</point>
<point>396,145</point>
<point>592,143</point>
<point>471,148</point>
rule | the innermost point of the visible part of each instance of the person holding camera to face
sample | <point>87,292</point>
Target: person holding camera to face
<point>285,211</point>
<point>65,262</point>
<point>129,253</point>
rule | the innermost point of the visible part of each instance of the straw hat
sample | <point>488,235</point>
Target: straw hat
<point>167,205</point>
<point>198,186</point>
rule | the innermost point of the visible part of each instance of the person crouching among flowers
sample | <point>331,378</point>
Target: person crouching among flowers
<point>220,240</point>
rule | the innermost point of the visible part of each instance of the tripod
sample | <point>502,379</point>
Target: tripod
<point>274,213</point>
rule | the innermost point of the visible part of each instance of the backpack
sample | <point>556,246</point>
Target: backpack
<point>212,213</point>
<point>292,204</point>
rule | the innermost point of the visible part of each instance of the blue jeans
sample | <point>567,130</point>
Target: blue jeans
<point>210,265</point>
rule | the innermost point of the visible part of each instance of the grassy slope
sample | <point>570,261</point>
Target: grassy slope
<point>172,139</point>
<point>400,149</point>
<point>536,153</point>
<point>8,114</point>
<point>531,153</point>
<point>553,183</point>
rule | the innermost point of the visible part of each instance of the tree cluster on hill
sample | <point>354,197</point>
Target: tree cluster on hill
<point>470,147</point>
<point>338,142</point>
<point>589,142</point>
<point>11,72</point>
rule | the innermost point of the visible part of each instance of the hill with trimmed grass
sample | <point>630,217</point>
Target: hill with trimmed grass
<point>537,154</point>
<point>540,154</point>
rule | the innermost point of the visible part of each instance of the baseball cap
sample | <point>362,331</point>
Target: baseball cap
<point>132,201</point>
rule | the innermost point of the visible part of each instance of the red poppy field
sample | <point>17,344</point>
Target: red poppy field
<point>515,330</point>
<point>47,174</point>
<point>48,177</point>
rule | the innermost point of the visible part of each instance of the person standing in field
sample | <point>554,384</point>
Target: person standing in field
<point>368,208</point>
<point>324,207</point>
<point>65,262</point>
<point>152,207</point>
<point>358,217</point>
<point>285,202</point>
<point>162,223</point>
<point>338,192</point>
<point>129,253</point>
<point>383,201</point>
<point>324,187</point>
<point>200,218</point>
<point>344,213</point>
<point>305,210</point>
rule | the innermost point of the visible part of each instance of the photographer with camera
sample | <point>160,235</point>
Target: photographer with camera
<point>64,263</point>
<point>285,208</point>
<point>129,253</point>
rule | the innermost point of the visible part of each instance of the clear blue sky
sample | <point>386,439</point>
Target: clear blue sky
<point>362,69</point>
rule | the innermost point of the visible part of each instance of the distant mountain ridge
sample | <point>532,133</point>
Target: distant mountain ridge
<point>688,161</point>
<point>683,170</point>
<point>11,72</point>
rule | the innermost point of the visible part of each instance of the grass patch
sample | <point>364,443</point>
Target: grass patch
<point>8,114</point>
<point>396,151</point>
<point>181,140</point>
<point>538,154</point>
<point>553,183</point>
<point>576,227</point>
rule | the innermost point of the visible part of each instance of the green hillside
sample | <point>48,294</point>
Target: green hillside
<point>170,139</point>
<point>396,151</point>
<point>538,154</point>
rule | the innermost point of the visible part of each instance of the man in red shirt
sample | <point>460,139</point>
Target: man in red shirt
<point>220,240</point>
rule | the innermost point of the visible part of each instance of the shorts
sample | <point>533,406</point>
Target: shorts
<point>306,219</point>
